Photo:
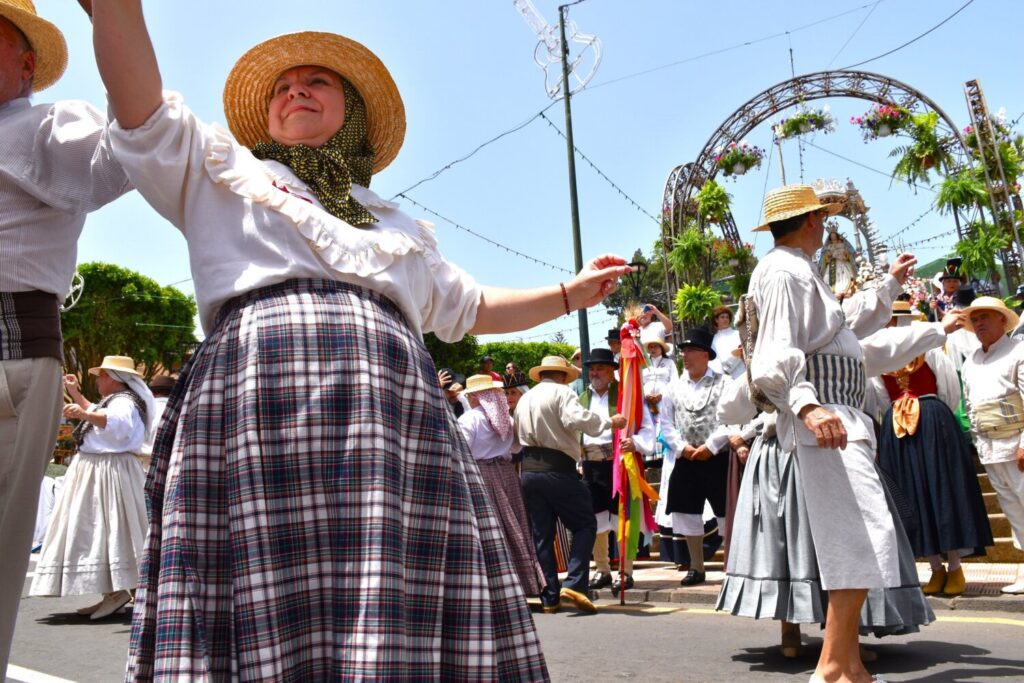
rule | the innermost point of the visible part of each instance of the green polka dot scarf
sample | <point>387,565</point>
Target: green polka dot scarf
<point>331,168</point>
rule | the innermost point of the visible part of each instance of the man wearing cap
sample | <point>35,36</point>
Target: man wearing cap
<point>602,397</point>
<point>809,364</point>
<point>55,167</point>
<point>993,389</point>
<point>547,420</point>
<point>487,368</point>
<point>696,463</point>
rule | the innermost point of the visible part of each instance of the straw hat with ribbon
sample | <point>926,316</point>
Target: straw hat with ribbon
<point>118,364</point>
<point>991,303</point>
<point>558,364</point>
<point>46,40</point>
<point>475,383</point>
<point>247,90</point>
<point>790,201</point>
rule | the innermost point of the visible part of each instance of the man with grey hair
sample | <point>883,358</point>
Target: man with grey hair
<point>55,167</point>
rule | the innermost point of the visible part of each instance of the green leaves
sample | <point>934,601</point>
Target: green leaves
<point>980,248</point>
<point>961,190</point>
<point>123,312</point>
<point>712,202</point>
<point>695,303</point>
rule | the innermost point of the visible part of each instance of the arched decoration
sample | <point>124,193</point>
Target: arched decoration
<point>685,181</point>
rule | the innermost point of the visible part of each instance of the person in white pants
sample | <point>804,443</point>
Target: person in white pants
<point>993,391</point>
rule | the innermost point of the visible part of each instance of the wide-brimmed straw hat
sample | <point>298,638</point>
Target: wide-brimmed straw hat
<point>118,363</point>
<point>46,40</point>
<point>655,334</point>
<point>475,383</point>
<point>789,201</point>
<point>247,90</point>
<point>904,308</point>
<point>557,364</point>
<point>991,303</point>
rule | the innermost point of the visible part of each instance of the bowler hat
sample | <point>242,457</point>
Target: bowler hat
<point>613,336</point>
<point>601,356</point>
<point>700,338</point>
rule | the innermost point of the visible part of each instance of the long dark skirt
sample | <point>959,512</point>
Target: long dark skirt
<point>505,492</point>
<point>772,572</point>
<point>315,514</point>
<point>935,473</point>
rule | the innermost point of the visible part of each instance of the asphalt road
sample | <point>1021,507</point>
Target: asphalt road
<point>653,644</point>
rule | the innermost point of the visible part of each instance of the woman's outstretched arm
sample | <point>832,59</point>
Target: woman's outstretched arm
<point>127,63</point>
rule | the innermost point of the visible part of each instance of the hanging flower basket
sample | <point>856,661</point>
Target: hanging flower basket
<point>736,159</point>
<point>804,121</point>
<point>881,121</point>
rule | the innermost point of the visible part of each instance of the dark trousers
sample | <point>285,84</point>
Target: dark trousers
<point>550,496</point>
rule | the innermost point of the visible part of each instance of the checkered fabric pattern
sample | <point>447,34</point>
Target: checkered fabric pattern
<point>315,514</point>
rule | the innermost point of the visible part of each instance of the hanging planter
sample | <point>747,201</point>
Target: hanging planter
<point>804,121</point>
<point>881,121</point>
<point>927,151</point>
<point>713,202</point>
<point>736,159</point>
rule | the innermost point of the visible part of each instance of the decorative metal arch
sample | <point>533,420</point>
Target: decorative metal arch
<point>685,181</point>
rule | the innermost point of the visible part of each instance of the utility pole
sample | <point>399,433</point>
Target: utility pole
<point>577,246</point>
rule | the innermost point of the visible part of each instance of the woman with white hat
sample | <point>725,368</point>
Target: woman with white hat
<point>489,434</point>
<point>310,423</point>
<point>95,539</point>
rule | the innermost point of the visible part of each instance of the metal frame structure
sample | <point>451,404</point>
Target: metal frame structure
<point>679,205</point>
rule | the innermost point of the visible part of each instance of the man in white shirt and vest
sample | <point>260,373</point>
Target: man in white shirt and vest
<point>598,450</point>
<point>547,421</point>
<point>994,394</point>
<point>55,167</point>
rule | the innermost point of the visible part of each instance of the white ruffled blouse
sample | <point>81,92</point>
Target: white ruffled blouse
<point>252,223</point>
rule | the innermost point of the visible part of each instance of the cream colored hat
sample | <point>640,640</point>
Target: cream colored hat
<point>46,40</point>
<point>556,363</point>
<point>118,363</point>
<point>247,90</point>
<point>655,334</point>
<point>991,303</point>
<point>792,200</point>
<point>481,383</point>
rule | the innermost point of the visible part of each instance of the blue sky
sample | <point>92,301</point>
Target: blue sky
<point>466,71</point>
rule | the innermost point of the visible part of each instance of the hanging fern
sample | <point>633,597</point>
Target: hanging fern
<point>689,253</point>
<point>695,303</point>
<point>980,248</point>
<point>960,190</point>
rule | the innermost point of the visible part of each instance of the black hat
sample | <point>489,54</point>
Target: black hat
<point>952,271</point>
<point>965,297</point>
<point>602,357</point>
<point>700,338</point>
<point>613,336</point>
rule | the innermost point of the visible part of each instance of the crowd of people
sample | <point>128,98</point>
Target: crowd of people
<point>829,439</point>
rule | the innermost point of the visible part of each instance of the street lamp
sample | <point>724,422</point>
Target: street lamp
<point>635,278</point>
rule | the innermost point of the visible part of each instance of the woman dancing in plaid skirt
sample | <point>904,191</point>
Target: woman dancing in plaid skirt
<point>314,512</point>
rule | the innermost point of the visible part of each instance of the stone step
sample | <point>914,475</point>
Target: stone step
<point>992,503</point>
<point>1000,525</point>
<point>986,485</point>
<point>1002,551</point>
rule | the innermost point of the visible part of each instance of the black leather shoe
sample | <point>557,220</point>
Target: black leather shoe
<point>692,578</point>
<point>617,585</point>
<point>600,580</point>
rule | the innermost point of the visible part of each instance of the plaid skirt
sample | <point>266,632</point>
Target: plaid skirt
<point>506,495</point>
<point>315,513</point>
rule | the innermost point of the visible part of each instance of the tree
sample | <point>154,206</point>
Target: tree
<point>524,354</point>
<point>125,313</point>
<point>652,285</point>
<point>462,356</point>
<point>559,338</point>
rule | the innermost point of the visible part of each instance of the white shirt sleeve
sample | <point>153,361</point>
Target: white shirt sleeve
<point>646,435</point>
<point>889,349</point>
<point>666,419</point>
<point>869,310</point>
<point>947,383</point>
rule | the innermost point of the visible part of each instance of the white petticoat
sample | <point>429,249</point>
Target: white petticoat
<point>94,541</point>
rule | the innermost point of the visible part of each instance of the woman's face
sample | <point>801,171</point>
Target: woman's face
<point>654,350</point>
<point>107,385</point>
<point>512,396</point>
<point>722,321</point>
<point>307,106</point>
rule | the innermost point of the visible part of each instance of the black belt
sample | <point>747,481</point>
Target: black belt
<point>540,459</point>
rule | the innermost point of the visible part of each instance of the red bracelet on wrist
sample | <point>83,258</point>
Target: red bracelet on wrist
<point>565,298</point>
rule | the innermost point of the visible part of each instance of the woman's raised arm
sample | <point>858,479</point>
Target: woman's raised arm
<point>127,63</point>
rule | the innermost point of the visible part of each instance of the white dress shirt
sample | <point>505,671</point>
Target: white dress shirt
<point>658,375</point>
<point>725,363</point>
<point>643,439</point>
<point>988,376</point>
<point>484,442</point>
<point>125,431</point>
<point>680,392</point>
<point>55,167</point>
<point>252,223</point>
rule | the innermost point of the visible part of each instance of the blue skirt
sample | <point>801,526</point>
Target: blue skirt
<point>935,473</point>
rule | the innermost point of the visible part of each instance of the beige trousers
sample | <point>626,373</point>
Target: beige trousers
<point>602,563</point>
<point>30,404</point>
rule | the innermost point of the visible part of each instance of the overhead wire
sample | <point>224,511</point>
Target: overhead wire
<point>865,166</point>
<point>478,235</point>
<point>912,40</point>
<point>855,31</point>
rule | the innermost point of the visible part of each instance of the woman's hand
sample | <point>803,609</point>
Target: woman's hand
<point>598,279</point>
<point>73,411</point>
<point>71,383</point>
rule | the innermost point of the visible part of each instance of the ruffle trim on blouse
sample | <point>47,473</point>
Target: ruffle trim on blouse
<point>344,248</point>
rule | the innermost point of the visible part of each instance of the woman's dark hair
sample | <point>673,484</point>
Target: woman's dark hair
<point>719,310</point>
<point>787,225</point>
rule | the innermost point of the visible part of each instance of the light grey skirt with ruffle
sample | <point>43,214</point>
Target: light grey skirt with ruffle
<point>773,569</point>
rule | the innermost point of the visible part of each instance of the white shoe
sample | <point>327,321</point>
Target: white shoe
<point>86,611</point>
<point>111,603</point>
<point>1014,588</point>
